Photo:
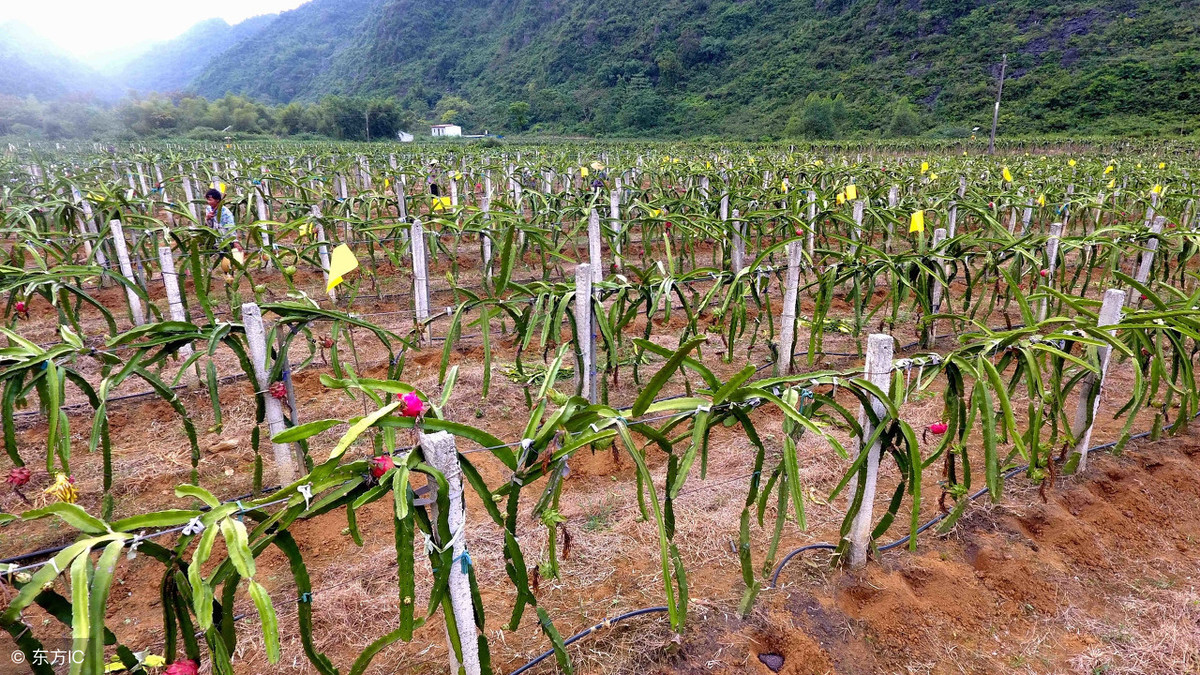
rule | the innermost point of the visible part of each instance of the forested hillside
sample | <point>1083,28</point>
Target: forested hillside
<point>712,66</point>
<point>172,65</point>
<point>743,68</point>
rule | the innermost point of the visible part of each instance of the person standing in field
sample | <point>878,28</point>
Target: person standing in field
<point>219,218</point>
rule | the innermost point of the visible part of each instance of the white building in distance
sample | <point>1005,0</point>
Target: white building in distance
<point>440,130</point>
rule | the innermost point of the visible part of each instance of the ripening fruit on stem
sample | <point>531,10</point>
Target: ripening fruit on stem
<point>411,405</point>
<point>327,342</point>
<point>937,429</point>
<point>1044,273</point>
<point>18,476</point>
<point>184,667</point>
<point>381,465</point>
<point>277,390</point>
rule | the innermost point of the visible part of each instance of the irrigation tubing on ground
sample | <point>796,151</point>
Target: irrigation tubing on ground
<point>588,631</point>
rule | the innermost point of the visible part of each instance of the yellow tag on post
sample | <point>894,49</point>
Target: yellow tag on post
<point>841,198</point>
<point>305,229</point>
<point>783,186</point>
<point>1112,183</point>
<point>1041,200</point>
<point>654,213</point>
<point>933,176</point>
<point>851,191</point>
<point>1108,169</point>
<point>924,167</point>
<point>1162,165</point>
<point>341,263</point>
<point>1071,162</point>
<point>1157,190</point>
<point>583,171</point>
<point>1007,175</point>
<point>441,203</point>
<point>917,224</point>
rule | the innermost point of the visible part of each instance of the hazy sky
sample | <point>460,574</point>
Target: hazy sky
<point>91,29</point>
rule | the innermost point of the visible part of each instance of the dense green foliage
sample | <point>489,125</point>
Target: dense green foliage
<point>745,68</point>
<point>766,69</point>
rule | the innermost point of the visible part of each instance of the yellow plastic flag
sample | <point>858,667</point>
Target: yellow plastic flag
<point>441,203</point>
<point>1041,200</point>
<point>1007,175</point>
<point>783,186</point>
<point>1071,162</point>
<point>852,191</point>
<point>708,165</point>
<point>841,198</point>
<point>933,176</point>
<point>341,263</point>
<point>387,183</point>
<point>1157,189</point>
<point>1162,165</point>
<point>654,213</point>
<point>1108,169</point>
<point>1112,183</point>
<point>305,229</point>
<point>918,222</point>
<point>583,171</point>
<point>924,167</point>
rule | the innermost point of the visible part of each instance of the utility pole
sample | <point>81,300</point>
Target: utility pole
<point>996,112</point>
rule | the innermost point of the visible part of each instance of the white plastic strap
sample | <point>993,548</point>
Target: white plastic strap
<point>193,527</point>
<point>306,492</point>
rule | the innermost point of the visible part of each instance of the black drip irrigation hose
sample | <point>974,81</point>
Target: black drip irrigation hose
<point>936,519</point>
<point>588,631</point>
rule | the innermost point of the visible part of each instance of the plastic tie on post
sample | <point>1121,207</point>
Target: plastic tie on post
<point>305,598</point>
<point>704,407</point>
<point>466,562</point>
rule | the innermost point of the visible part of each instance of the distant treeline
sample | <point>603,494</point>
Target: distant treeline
<point>198,118</point>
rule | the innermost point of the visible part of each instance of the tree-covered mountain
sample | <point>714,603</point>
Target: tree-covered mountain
<point>172,65</point>
<point>281,62</point>
<point>736,66</point>
<point>29,66</point>
<point>746,68</point>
